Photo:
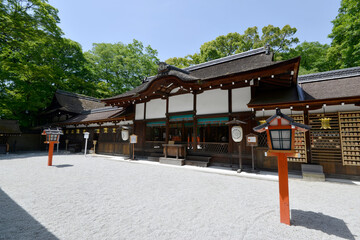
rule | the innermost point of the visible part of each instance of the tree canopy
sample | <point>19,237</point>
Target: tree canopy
<point>279,39</point>
<point>36,60</point>
<point>122,67</point>
<point>345,35</point>
<point>313,57</point>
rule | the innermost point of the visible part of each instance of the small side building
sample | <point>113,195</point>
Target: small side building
<point>66,105</point>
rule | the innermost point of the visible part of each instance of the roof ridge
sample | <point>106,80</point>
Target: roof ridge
<point>102,109</point>
<point>71,94</point>
<point>226,59</point>
<point>329,75</point>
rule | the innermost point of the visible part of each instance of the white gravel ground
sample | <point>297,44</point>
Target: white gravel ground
<point>101,198</point>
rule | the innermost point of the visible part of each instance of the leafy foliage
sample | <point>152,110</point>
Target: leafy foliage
<point>121,67</point>
<point>280,40</point>
<point>345,46</point>
<point>179,62</point>
<point>313,57</point>
<point>36,60</point>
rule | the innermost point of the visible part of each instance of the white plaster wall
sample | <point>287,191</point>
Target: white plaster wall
<point>156,108</point>
<point>240,98</point>
<point>181,103</point>
<point>213,101</point>
<point>139,111</point>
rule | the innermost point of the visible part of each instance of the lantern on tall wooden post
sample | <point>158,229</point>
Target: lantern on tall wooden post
<point>237,136</point>
<point>280,130</point>
<point>125,135</point>
<point>52,137</point>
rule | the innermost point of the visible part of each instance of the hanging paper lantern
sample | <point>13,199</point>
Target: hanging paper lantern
<point>97,130</point>
<point>105,130</point>
<point>77,131</point>
<point>325,123</point>
<point>72,131</point>
<point>114,130</point>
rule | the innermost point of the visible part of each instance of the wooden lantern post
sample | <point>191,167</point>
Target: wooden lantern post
<point>237,136</point>
<point>52,137</point>
<point>280,130</point>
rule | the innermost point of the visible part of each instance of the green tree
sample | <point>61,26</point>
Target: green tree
<point>313,57</point>
<point>121,67</point>
<point>279,39</point>
<point>25,27</point>
<point>179,62</point>
<point>345,47</point>
<point>35,60</point>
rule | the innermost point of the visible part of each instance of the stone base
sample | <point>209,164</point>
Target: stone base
<point>312,172</point>
<point>172,161</point>
<point>314,176</point>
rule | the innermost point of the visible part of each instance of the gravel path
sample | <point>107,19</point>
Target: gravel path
<point>100,198</point>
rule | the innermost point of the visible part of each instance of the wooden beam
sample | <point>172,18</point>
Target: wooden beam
<point>313,104</point>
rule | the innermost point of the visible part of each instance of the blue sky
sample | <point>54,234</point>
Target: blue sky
<point>178,28</point>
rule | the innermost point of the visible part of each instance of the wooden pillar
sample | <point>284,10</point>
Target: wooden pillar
<point>167,121</point>
<point>307,136</point>
<point>231,145</point>
<point>194,140</point>
<point>144,111</point>
<point>230,100</point>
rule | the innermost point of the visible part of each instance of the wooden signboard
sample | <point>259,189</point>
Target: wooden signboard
<point>251,140</point>
<point>133,138</point>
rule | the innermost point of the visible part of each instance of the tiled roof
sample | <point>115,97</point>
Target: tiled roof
<point>76,103</point>
<point>96,115</point>
<point>331,88</point>
<point>226,59</point>
<point>236,63</point>
<point>330,75</point>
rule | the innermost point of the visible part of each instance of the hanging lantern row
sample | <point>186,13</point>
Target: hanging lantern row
<point>77,131</point>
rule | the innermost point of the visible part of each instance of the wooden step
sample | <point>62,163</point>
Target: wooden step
<point>199,161</point>
<point>196,163</point>
<point>198,158</point>
<point>154,159</point>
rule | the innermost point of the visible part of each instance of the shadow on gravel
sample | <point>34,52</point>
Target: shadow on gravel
<point>16,223</point>
<point>63,165</point>
<point>318,221</point>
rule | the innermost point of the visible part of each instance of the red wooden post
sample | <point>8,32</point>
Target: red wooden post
<point>51,149</point>
<point>283,188</point>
